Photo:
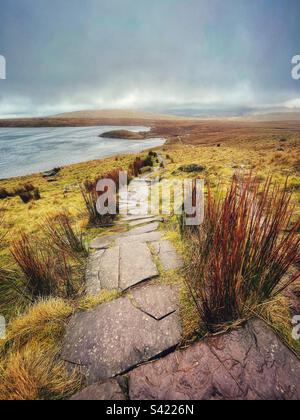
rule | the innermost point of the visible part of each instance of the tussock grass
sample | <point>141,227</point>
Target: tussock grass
<point>45,273</point>
<point>30,368</point>
<point>34,373</point>
<point>242,252</point>
<point>27,192</point>
<point>91,195</point>
<point>29,362</point>
<point>48,314</point>
<point>63,236</point>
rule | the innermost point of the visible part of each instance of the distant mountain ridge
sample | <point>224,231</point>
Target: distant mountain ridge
<point>117,114</point>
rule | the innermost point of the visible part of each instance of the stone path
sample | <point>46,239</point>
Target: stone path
<point>144,323</point>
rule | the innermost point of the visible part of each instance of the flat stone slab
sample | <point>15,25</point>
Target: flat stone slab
<point>109,269</point>
<point>156,301</point>
<point>133,218</point>
<point>168,255</point>
<point>119,268</point>
<point>103,242</point>
<point>115,337</point>
<point>151,227</point>
<point>136,265</point>
<point>93,286</point>
<point>107,391</point>
<point>141,221</point>
<point>146,237</point>
<point>247,364</point>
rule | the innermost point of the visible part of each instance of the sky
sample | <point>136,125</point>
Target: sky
<point>67,55</point>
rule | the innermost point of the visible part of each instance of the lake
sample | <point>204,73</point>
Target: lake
<point>24,151</point>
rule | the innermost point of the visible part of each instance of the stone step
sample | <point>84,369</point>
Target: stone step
<point>133,218</point>
<point>146,220</point>
<point>136,265</point>
<point>151,227</point>
<point>146,237</point>
<point>120,267</point>
<point>115,337</point>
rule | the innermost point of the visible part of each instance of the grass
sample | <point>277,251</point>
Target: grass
<point>30,368</point>
<point>62,235</point>
<point>277,315</point>
<point>92,195</point>
<point>243,251</point>
<point>45,273</point>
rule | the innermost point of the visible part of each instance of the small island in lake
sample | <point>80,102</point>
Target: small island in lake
<point>124,134</point>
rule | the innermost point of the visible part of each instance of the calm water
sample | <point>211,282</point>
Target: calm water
<point>24,151</point>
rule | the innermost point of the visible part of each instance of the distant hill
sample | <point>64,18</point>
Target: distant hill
<point>91,118</point>
<point>133,117</point>
<point>117,114</point>
<point>272,116</point>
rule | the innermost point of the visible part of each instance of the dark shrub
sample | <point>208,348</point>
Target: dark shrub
<point>36,194</point>
<point>26,197</point>
<point>4,193</point>
<point>192,168</point>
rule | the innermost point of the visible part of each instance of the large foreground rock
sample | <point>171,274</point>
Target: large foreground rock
<point>107,391</point>
<point>115,337</point>
<point>247,364</point>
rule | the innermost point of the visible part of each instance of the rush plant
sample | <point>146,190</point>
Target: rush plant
<point>45,273</point>
<point>243,253</point>
<point>63,236</point>
<point>91,195</point>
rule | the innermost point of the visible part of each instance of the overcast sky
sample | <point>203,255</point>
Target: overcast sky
<point>65,55</point>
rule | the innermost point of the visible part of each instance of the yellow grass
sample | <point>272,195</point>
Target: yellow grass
<point>30,368</point>
<point>35,373</point>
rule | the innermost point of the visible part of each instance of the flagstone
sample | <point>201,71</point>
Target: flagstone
<point>115,337</point>
<point>136,265</point>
